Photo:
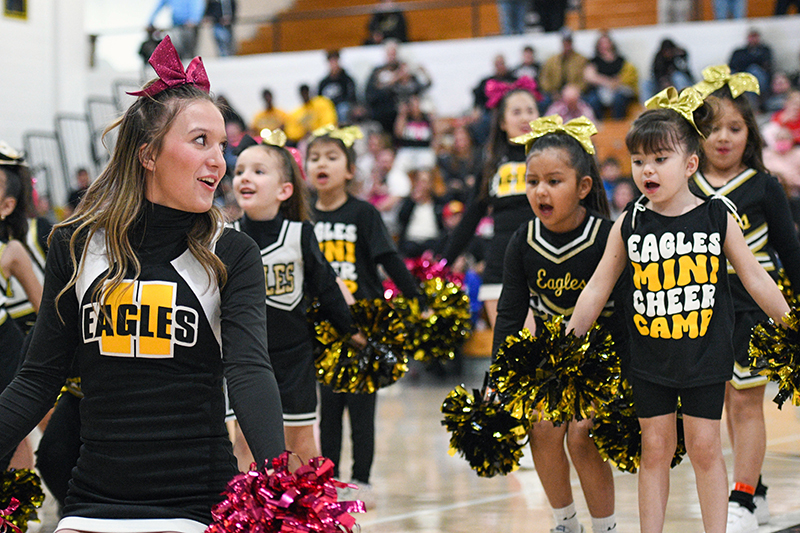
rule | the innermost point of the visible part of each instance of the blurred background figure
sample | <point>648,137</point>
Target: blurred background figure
<point>670,67</point>
<point>338,87</point>
<point>186,18</point>
<point>388,22</point>
<point>222,15</point>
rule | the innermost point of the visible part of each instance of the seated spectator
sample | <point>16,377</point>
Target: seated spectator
<point>625,192</point>
<point>529,66</point>
<point>782,158</point>
<point>782,6</point>
<point>781,87</point>
<point>338,87</point>
<point>788,118</point>
<point>410,81</point>
<point>570,105</point>
<point>388,22</point>
<point>612,80</point>
<point>379,94</point>
<point>481,114</point>
<point>271,117</point>
<point>82,180</point>
<point>670,68</point>
<point>413,132</point>
<point>611,174</point>
<point>376,190</point>
<point>730,9</point>
<point>367,159</point>
<point>315,112</point>
<point>419,218</point>
<point>460,165</point>
<point>756,58</point>
<point>512,15</point>
<point>560,69</point>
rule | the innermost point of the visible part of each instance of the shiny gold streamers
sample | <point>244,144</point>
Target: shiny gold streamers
<point>556,376</point>
<point>26,487</point>
<point>379,364</point>
<point>437,337</point>
<point>483,432</point>
<point>775,353</point>
<point>786,288</point>
<point>618,436</point>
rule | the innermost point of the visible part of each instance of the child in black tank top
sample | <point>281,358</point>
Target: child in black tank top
<point>679,312</point>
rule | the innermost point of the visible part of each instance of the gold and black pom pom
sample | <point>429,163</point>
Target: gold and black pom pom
<point>618,436</point>
<point>436,338</point>
<point>786,288</point>
<point>483,431</point>
<point>556,376</point>
<point>775,353</point>
<point>380,363</point>
<point>25,487</point>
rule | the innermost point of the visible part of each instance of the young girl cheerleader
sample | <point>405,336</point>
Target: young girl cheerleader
<point>733,168</point>
<point>15,263</point>
<point>673,246</point>
<point>155,301</point>
<point>272,193</point>
<point>35,237</point>
<point>564,241</point>
<point>354,240</point>
<point>503,188</point>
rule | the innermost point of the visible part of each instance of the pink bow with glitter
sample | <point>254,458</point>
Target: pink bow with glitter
<point>496,90</point>
<point>168,66</point>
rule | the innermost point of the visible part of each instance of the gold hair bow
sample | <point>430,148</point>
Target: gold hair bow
<point>684,103</point>
<point>717,77</point>
<point>9,156</point>
<point>581,129</point>
<point>347,135</point>
<point>273,137</point>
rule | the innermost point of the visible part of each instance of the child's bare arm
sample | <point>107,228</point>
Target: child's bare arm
<point>17,263</point>
<point>755,279</point>
<point>595,296</point>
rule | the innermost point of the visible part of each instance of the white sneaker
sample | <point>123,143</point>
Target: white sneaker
<point>365,494</point>
<point>762,509</point>
<point>741,519</point>
<point>565,529</point>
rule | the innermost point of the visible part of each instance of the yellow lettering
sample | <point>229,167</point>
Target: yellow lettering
<point>641,324</point>
<point>681,325</point>
<point>118,344</point>
<point>334,251</point>
<point>648,276</point>
<point>705,318</point>
<point>659,328</point>
<point>669,274</point>
<point>687,266</point>
<point>156,295</point>
<point>350,252</point>
<point>714,269</point>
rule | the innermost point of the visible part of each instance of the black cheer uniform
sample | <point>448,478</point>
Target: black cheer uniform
<point>20,309</point>
<point>546,272</point>
<point>770,233</point>
<point>295,271</point>
<point>155,445</point>
<point>679,309</point>
<point>355,241</point>
<point>510,209</point>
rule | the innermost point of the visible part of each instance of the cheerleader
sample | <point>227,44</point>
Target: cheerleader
<point>548,262</point>
<point>271,190</point>
<point>155,301</point>
<point>502,187</point>
<point>355,241</point>
<point>671,245</point>
<point>733,168</point>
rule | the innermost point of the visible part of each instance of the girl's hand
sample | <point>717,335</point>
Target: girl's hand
<point>358,340</point>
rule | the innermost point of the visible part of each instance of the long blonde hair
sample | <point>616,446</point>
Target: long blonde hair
<point>115,200</point>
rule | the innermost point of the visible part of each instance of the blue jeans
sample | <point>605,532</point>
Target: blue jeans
<point>735,9</point>
<point>512,16</point>
<point>618,104</point>
<point>223,34</point>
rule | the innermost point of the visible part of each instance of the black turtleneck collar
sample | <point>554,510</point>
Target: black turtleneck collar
<point>161,231</point>
<point>262,231</point>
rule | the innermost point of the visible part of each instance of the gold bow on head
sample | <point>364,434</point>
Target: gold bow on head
<point>273,137</point>
<point>347,135</point>
<point>684,104</point>
<point>717,77</point>
<point>581,129</point>
<point>9,156</point>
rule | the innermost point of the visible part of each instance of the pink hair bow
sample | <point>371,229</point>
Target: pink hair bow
<point>168,66</point>
<point>496,90</point>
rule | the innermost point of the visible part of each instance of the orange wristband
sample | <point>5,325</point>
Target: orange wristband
<point>743,487</point>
